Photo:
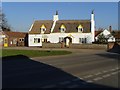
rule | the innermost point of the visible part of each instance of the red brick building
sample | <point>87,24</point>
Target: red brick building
<point>10,39</point>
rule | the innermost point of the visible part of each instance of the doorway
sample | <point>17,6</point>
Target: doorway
<point>68,41</point>
<point>5,42</point>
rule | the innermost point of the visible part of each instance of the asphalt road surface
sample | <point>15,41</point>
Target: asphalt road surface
<point>82,69</point>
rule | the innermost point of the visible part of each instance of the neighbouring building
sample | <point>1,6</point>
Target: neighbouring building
<point>109,37</point>
<point>116,34</point>
<point>62,31</point>
<point>109,34</point>
<point>10,38</point>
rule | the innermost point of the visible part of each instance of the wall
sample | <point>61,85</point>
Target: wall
<point>31,40</point>
<point>110,45</point>
<point>89,46</point>
<point>54,37</point>
<point>75,46</point>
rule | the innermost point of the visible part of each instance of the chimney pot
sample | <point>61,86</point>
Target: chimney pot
<point>110,28</point>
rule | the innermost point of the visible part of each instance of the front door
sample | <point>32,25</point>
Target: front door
<point>5,42</point>
<point>67,40</point>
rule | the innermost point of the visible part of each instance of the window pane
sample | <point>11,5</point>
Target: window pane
<point>19,39</point>
<point>62,29</point>
<point>80,40</point>
<point>85,40</point>
<point>35,40</point>
<point>23,39</point>
<point>38,40</point>
<point>61,39</point>
<point>14,41</point>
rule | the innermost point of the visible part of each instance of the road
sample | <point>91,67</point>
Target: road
<point>82,69</point>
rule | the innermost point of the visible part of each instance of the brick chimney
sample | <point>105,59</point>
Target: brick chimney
<point>110,28</point>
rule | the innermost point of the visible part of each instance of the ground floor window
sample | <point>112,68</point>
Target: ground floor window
<point>117,39</point>
<point>83,40</point>
<point>61,39</point>
<point>36,40</point>
<point>15,41</point>
<point>45,40</point>
<point>21,39</point>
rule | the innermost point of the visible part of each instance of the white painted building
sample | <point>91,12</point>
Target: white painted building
<point>57,31</point>
<point>107,34</point>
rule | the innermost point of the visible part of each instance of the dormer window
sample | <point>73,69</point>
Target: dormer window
<point>43,28</point>
<point>80,28</point>
<point>62,28</point>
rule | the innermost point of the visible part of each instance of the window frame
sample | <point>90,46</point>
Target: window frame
<point>62,30</point>
<point>83,40</point>
<point>61,39</point>
<point>37,40</point>
<point>21,39</point>
<point>43,30</point>
<point>80,29</point>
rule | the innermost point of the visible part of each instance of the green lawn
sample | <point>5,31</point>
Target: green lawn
<point>33,53</point>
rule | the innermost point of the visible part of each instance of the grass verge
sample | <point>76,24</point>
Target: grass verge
<point>33,53</point>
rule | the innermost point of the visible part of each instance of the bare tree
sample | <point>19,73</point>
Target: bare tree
<point>3,22</point>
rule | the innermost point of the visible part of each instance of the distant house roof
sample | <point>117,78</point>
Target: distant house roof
<point>14,34</point>
<point>71,26</point>
<point>105,32</point>
<point>116,33</point>
<point>98,32</point>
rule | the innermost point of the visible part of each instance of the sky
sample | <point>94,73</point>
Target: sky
<point>20,15</point>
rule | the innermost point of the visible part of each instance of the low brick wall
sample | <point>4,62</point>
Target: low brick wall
<point>114,47</point>
<point>110,45</point>
<point>119,43</point>
<point>51,45</point>
<point>76,46</point>
<point>89,46</point>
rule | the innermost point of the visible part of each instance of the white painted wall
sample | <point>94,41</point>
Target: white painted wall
<point>93,27</point>
<point>54,37</point>
<point>106,33</point>
<point>111,40</point>
<point>31,40</point>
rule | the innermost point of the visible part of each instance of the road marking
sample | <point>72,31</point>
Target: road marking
<point>113,69</point>
<point>50,64</point>
<point>114,73</point>
<point>88,76</point>
<point>98,73</point>
<point>65,82</point>
<point>116,68</point>
<point>105,71</point>
<point>98,78</point>
<point>73,86</point>
<point>89,81</point>
<point>31,58</point>
<point>49,86</point>
<point>107,75</point>
<point>81,79</point>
